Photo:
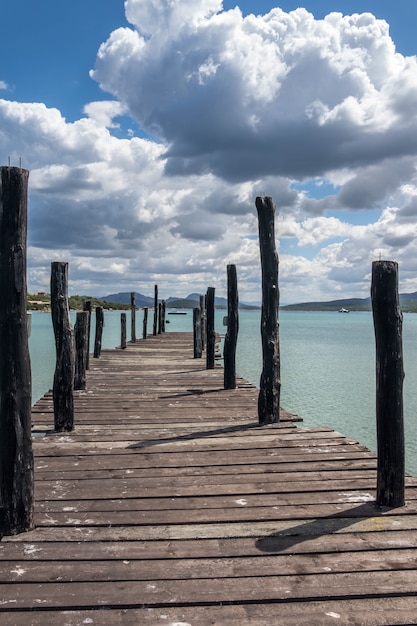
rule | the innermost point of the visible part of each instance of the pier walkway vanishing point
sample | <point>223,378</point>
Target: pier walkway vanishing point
<point>168,504</point>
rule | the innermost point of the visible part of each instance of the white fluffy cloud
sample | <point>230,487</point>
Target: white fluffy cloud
<point>231,107</point>
<point>280,94</point>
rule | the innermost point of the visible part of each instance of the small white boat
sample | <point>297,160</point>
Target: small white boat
<point>342,310</point>
<point>177,312</point>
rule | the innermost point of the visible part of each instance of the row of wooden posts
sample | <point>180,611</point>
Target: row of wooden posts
<point>16,456</point>
<point>73,345</point>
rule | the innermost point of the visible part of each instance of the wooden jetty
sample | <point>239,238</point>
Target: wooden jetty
<point>168,504</point>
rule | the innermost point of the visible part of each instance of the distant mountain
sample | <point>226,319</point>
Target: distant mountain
<point>221,303</point>
<point>189,302</point>
<point>124,298</point>
<point>181,303</point>
<point>408,304</point>
<point>409,296</point>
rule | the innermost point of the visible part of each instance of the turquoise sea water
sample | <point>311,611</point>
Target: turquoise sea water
<point>327,365</point>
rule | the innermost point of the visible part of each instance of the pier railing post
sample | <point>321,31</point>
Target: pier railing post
<point>155,310</point>
<point>211,335</point>
<point>99,331</point>
<point>145,323</point>
<point>123,330</point>
<point>230,340</point>
<point>203,321</point>
<point>159,318</point>
<point>81,349</point>
<point>63,396</point>
<point>270,383</point>
<point>133,316</point>
<point>163,313</point>
<point>389,384</point>
<point>198,350</point>
<point>16,456</point>
<point>87,307</point>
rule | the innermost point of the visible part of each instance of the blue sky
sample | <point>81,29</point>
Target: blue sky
<point>146,154</point>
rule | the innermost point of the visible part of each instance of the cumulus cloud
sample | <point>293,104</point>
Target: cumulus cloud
<point>319,114</point>
<point>276,94</point>
<point>104,112</point>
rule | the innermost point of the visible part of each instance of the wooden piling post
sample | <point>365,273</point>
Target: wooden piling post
<point>16,456</point>
<point>203,321</point>
<point>87,307</point>
<point>133,316</point>
<point>270,383</point>
<point>155,311</point>
<point>99,331</point>
<point>81,349</point>
<point>159,318</point>
<point>123,330</point>
<point>389,384</point>
<point>163,313</point>
<point>211,335</point>
<point>198,350</point>
<point>145,323</point>
<point>63,396</point>
<point>230,340</point>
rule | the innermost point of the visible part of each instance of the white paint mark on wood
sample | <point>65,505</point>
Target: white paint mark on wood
<point>30,548</point>
<point>19,571</point>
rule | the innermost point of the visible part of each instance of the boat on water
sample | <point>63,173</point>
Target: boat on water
<point>177,312</point>
<point>343,310</point>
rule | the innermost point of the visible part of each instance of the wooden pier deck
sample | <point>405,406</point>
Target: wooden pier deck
<point>169,505</point>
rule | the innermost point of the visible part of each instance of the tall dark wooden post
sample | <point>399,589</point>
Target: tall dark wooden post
<point>203,321</point>
<point>389,383</point>
<point>198,350</point>
<point>230,340</point>
<point>81,349</point>
<point>16,456</point>
<point>163,313</point>
<point>211,335</point>
<point>155,310</point>
<point>123,330</point>
<point>133,316</point>
<point>99,331</point>
<point>270,383</point>
<point>145,323</point>
<point>159,318</point>
<point>87,307</point>
<point>63,395</point>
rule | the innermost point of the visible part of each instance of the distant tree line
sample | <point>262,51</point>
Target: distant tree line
<point>42,301</point>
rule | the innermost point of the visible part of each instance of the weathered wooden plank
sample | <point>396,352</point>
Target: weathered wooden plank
<point>198,591</point>
<point>127,447</point>
<point>373,612</point>
<point>236,436</point>
<point>220,547</point>
<point>215,460</point>
<point>242,513</point>
<point>344,500</point>
<point>135,488</point>
<point>143,569</point>
<point>303,530</point>
<point>88,470</point>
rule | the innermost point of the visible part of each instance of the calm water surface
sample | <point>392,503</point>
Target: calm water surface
<point>327,365</point>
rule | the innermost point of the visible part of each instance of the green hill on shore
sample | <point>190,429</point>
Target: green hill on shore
<point>408,304</point>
